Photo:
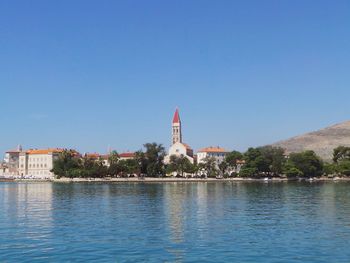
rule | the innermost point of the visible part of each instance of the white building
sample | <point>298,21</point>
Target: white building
<point>215,152</point>
<point>178,148</point>
<point>38,163</point>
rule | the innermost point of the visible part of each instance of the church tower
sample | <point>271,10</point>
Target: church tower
<point>176,134</point>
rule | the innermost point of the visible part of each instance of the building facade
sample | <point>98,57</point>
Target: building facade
<point>217,153</point>
<point>37,163</point>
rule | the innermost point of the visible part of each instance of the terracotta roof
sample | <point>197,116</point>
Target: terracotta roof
<point>127,155</point>
<point>93,155</point>
<point>187,146</point>
<point>176,118</point>
<point>44,151</point>
<point>213,150</point>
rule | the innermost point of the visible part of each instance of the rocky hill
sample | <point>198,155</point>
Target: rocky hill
<point>322,142</point>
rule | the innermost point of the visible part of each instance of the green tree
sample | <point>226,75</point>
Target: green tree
<point>154,156</point>
<point>113,158</point>
<point>307,162</point>
<point>255,160</point>
<point>99,169</point>
<point>343,167</point>
<point>66,164</point>
<point>114,168</point>
<point>291,171</point>
<point>330,168</point>
<point>247,172</point>
<point>265,160</point>
<point>141,161</point>
<point>128,167</point>
<point>274,158</point>
<point>209,166</point>
<point>341,153</point>
<point>180,165</point>
<point>231,160</point>
<point>193,168</point>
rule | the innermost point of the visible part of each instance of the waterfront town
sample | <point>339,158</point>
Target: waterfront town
<point>39,163</point>
<point>180,160</point>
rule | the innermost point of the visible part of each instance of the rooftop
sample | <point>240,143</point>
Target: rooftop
<point>213,150</point>
<point>187,146</point>
<point>127,155</point>
<point>44,151</point>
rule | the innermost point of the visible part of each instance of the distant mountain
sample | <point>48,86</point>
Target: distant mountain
<point>322,141</point>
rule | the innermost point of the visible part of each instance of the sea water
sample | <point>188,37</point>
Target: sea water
<point>175,222</point>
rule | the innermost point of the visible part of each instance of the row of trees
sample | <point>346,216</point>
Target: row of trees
<point>255,162</point>
<point>148,162</point>
<point>271,161</point>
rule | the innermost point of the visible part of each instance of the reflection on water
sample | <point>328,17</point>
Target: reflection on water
<point>26,216</point>
<point>202,208</point>
<point>157,222</point>
<point>174,197</point>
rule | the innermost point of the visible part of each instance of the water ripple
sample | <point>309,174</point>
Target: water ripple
<point>175,222</point>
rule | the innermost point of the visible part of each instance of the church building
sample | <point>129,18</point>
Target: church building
<point>178,147</point>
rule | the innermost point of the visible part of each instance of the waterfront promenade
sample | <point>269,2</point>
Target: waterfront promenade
<point>176,179</point>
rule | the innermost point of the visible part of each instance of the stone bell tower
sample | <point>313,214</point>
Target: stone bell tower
<point>176,126</point>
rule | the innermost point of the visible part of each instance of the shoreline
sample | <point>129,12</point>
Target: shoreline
<point>174,180</point>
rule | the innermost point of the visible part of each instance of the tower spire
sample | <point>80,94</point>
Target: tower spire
<point>176,118</point>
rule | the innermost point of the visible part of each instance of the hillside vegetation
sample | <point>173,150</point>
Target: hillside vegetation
<point>322,142</point>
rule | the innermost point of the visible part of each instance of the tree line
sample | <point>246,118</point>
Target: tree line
<point>257,162</point>
<point>148,162</point>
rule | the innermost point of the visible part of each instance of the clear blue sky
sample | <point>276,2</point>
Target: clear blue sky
<point>88,74</point>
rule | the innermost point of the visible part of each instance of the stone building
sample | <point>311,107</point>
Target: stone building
<point>38,163</point>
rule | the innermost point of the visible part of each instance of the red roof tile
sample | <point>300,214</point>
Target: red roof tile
<point>213,150</point>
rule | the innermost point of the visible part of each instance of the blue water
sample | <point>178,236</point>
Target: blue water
<point>175,222</point>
